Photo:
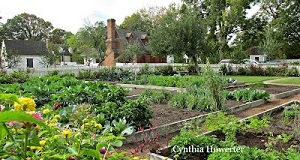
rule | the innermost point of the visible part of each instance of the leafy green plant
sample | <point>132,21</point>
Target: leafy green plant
<point>254,125</point>
<point>119,128</point>
<point>157,96</point>
<point>180,144</point>
<point>248,95</point>
<point>178,101</point>
<point>229,125</point>
<point>246,153</point>
<point>290,112</point>
<point>292,115</point>
<point>214,85</point>
<point>274,140</point>
<point>284,137</point>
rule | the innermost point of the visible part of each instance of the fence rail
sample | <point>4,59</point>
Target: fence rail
<point>132,67</point>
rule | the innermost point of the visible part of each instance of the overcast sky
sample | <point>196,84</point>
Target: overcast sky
<point>70,14</point>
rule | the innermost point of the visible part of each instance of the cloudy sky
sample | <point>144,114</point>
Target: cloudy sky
<point>70,14</point>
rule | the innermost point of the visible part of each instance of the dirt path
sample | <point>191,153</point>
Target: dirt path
<point>268,105</point>
<point>142,149</point>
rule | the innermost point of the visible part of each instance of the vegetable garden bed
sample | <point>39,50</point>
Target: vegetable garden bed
<point>276,136</point>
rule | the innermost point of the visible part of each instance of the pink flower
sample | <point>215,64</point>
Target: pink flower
<point>38,116</point>
<point>11,123</point>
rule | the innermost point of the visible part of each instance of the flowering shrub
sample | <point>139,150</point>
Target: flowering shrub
<point>30,133</point>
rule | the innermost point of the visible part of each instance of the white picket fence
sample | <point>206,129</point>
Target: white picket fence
<point>132,67</point>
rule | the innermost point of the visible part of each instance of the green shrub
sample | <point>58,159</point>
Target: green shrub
<point>157,96</point>
<point>164,70</point>
<point>53,72</point>
<point>19,76</point>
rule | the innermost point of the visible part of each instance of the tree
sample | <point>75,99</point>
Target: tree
<point>130,52</point>
<point>144,20</point>
<point>89,54</point>
<point>90,38</point>
<point>52,56</point>
<point>26,27</point>
<point>134,22</point>
<point>180,32</point>
<point>223,18</point>
<point>251,34</point>
<point>59,36</point>
<point>270,45</point>
<point>12,59</point>
<point>284,12</point>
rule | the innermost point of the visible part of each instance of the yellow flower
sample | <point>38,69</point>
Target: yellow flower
<point>54,120</point>
<point>42,143</point>
<point>45,111</point>
<point>28,158</point>
<point>176,156</point>
<point>57,116</point>
<point>67,133</point>
<point>136,158</point>
<point>36,148</point>
<point>27,104</point>
<point>98,125</point>
<point>31,112</point>
<point>82,127</point>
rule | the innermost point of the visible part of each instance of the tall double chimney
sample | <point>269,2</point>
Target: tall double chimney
<point>110,43</point>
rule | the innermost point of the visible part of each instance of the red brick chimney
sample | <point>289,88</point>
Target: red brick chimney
<point>111,28</point>
<point>110,43</point>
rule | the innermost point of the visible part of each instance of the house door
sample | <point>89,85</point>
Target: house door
<point>29,62</point>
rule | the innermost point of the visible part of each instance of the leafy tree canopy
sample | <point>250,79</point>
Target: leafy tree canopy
<point>26,27</point>
<point>144,19</point>
<point>89,40</point>
<point>180,32</point>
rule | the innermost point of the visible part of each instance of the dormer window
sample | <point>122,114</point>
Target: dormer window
<point>143,36</point>
<point>128,35</point>
<point>144,39</point>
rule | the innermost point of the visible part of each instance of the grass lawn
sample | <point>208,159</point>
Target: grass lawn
<point>295,80</point>
<point>253,79</point>
<point>175,81</point>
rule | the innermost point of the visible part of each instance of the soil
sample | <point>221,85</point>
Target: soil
<point>275,89</point>
<point>135,91</point>
<point>277,127</point>
<point>163,114</point>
